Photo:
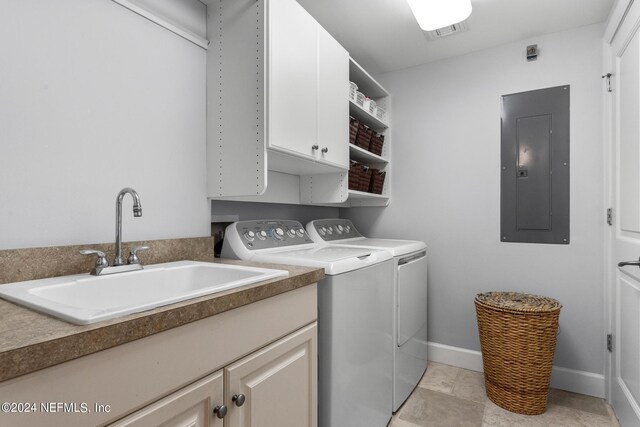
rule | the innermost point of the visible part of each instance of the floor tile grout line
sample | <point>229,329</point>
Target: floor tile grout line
<point>455,380</point>
<point>484,411</point>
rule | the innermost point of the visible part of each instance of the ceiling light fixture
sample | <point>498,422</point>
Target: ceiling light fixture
<point>434,14</point>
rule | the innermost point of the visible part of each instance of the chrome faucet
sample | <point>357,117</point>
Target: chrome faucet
<point>119,266</point>
<point>137,212</point>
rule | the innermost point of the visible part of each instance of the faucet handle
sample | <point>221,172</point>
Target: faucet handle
<point>133,256</point>
<point>101,262</point>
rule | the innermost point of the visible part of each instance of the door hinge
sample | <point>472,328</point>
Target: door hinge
<point>610,216</point>
<point>610,342</point>
<point>608,77</point>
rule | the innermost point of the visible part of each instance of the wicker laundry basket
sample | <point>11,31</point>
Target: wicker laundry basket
<point>518,339</point>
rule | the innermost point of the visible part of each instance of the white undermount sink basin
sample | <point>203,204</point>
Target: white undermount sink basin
<point>84,299</point>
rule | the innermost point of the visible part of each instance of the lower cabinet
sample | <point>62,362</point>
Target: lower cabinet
<point>278,384</point>
<point>275,386</point>
<point>256,363</point>
<point>190,406</point>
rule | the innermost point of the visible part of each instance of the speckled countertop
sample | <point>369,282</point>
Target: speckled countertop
<point>30,341</point>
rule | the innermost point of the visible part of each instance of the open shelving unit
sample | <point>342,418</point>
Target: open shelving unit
<point>353,194</point>
<point>371,88</point>
<point>366,117</point>
<point>336,186</point>
<point>363,156</point>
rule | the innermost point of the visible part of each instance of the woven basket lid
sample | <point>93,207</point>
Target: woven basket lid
<point>517,301</point>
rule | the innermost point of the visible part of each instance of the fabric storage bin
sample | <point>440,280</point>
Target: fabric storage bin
<point>354,176</point>
<point>377,181</point>
<point>364,136</point>
<point>353,130</point>
<point>365,178</point>
<point>359,176</point>
<point>377,141</point>
<point>518,339</point>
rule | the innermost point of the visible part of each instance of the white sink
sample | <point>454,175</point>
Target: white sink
<point>84,299</point>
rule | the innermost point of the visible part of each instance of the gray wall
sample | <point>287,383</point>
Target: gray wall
<point>446,188</point>
<point>94,98</point>
<point>250,210</point>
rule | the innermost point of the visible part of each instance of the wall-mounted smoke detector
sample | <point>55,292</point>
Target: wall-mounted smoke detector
<point>447,31</point>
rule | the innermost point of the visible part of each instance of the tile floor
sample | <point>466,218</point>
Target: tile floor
<point>449,397</point>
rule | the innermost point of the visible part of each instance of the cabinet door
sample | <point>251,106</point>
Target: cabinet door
<point>292,89</point>
<point>333,100</point>
<point>191,406</point>
<point>278,382</point>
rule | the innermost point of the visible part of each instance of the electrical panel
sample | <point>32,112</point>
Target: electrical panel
<point>535,166</point>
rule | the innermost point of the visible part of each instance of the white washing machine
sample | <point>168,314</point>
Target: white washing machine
<point>355,357</point>
<point>409,298</point>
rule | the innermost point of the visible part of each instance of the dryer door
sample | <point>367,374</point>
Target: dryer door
<point>412,296</point>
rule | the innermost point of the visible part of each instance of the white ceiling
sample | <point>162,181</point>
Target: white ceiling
<point>383,35</point>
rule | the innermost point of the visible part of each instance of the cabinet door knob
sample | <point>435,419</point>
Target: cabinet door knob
<point>238,399</point>
<point>220,411</point>
<point>325,150</point>
<point>314,147</point>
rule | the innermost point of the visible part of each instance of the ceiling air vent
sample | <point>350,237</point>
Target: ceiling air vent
<point>447,31</point>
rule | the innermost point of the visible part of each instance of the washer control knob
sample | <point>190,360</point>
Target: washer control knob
<point>347,228</point>
<point>277,234</point>
<point>300,232</point>
<point>322,231</point>
<point>340,228</point>
<point>330,230</point>
<point>291,232</point>
<point>262,234</point>
<point>249,235</point>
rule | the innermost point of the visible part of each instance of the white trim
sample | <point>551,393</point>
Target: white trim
<point>627,29</point>
<point>616,16</point>
<point>578,381</point>
<point>630,398</point>
<point>573,380</point>
<point>455,356</point>
<point>609,202</point>
<point>188,35</point>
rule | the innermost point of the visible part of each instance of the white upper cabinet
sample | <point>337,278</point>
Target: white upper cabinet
<point>293,81</point>
<point>307,79</point>
<point>277,86</point>
<point>333,111</point>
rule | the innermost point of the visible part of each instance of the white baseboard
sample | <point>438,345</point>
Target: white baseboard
<point>578,381</point>
<point>455,356</point>
<point>563,378</point>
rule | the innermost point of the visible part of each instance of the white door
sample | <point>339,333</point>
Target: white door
<point>275,386</point>
<point>292,93</point>
<point>623,375</point>
<point>196,405</point>
<point>333,105</point>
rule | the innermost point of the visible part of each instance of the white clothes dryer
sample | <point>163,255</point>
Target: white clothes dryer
<point>409,299</point>
<point>355,357</point>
